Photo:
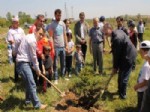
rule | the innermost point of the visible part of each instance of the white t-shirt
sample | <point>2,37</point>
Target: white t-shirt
<point>15,35</point>
<point>70,46</point>
<point>144,75</point>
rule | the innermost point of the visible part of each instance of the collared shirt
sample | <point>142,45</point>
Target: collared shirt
<point>15,36</point>
<point>96,35</point>
<point>27,51</point>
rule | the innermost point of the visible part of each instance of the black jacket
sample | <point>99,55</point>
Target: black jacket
<point>124,53</point>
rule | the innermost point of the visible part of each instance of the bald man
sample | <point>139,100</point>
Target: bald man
<point>96,45</point>
<point>124,55</point>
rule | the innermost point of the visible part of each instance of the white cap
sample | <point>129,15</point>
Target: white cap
<point>145,44</point>
<point>15,18</point>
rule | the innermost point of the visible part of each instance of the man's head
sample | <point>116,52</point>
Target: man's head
<point>102,19</point>
<point>39,33</point>
<point>15,22</point>
<point>107,29</point>
<point>119,21</point>
<point>95,22</point>
<point>40,20</point>
<point>57,14</point>
<point>82,16</point>
<point>144,48</point>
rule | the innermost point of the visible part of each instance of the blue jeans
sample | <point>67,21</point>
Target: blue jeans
<point>59,52</point>
<point>78,68</point>
<point>123,80</point>
<point>25,71</point>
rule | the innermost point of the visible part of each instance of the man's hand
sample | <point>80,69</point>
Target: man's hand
<point>135,87</point>
<point>114,71</point>
<point>38,72</point>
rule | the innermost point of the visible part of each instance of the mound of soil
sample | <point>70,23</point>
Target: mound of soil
<point>72,103</point>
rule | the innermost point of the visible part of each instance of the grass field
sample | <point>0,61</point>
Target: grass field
<point>14,93</point>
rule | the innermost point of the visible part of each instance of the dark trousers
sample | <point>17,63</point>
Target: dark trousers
<point>140,37</point>
<point>123,81</point>
<point>140,98</point>
<point>146,100</point>
<point>15,69</point>
<point>68,64</point>
<point>84,49</point>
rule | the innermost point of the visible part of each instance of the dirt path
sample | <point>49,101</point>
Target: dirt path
<point>71,103</point>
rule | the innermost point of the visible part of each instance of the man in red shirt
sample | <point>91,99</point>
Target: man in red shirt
<point>39,22</point>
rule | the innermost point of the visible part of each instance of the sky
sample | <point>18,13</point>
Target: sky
<point>92,8</point>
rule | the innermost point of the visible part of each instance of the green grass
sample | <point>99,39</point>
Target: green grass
<point>14,93</point>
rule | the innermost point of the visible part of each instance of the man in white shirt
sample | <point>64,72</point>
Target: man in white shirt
<point>81,31</point>
<point>26,56</point>
<point>14,37</point>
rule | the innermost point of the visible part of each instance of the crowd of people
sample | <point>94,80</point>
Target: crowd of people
<point>39,51</point>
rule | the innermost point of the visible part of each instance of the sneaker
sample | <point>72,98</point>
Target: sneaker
<point>42,107</point>
<point>27,102</point>
<point>66,79</point>
<point>70,75</point>
<point>56,82</point>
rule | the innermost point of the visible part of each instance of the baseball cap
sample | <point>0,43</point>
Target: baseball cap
<point>102,18</point>
<point>15,18</point>
<point>145,44</point>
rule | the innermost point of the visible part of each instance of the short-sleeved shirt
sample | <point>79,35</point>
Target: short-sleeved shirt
<point>70,46</point>
<point>59,29</point>
<point>96,35</point>
<point>16,36</point>
<point>144,75</point>
<point>47,62</point>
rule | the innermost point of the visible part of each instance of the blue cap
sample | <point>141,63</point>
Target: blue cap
<point>102,18</point>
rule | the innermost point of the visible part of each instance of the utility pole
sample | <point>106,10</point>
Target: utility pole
<point>66,10</point>
<point>72,11</point>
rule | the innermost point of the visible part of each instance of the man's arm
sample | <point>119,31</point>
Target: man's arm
<point>76,28</point>
<point>32,51</point>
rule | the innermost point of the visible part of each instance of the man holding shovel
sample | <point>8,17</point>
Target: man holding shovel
<point>25,56</point>
<point>124,55</point>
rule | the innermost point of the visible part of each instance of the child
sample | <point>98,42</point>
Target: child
<point>78,56</point>
<point>47,65</point>
<point>146,98</point>
<point>133,34</point>
<point>144,74</point>
<point>69,52</point>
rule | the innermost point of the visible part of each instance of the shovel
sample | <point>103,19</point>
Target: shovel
<point>106,86</point>
<point>62,94</point>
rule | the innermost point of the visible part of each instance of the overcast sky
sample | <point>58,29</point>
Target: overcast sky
<point>92,8</point>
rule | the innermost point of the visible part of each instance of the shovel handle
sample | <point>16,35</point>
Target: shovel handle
<point>51,83</point>
<point>108,82</point>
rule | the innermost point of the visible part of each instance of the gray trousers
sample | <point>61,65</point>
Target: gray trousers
<point>98,56</point>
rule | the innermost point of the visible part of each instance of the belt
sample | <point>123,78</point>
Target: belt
<point>97,42</point>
